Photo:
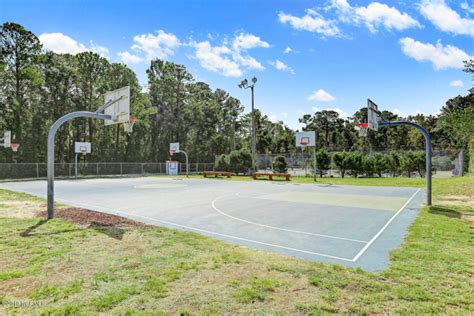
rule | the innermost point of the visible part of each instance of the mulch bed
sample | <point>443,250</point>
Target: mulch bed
<point>85,217</point>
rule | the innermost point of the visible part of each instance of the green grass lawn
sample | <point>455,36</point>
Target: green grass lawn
<point>57,267</point>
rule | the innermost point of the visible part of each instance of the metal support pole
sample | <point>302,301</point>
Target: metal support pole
<point>51,136</point>
<point>314,164</point>
<point>187,161</point>
<point>427,137</point>
<point>75,165</point>
<point>254,144</point>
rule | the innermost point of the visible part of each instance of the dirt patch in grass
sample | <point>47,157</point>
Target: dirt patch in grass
<point>85,217</point>
<point>20,209</point>
<point>459,200</point>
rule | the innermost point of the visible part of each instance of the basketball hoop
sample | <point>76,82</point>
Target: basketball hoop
<point>172,152</point>
<point>14,147</point>
<point>304,141</point>
<point>362,128</point>
<point>83,150</point>
<point>128,125</point>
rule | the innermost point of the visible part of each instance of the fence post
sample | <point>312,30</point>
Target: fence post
<point>37,171</point>
<point>120,168</point>
<point>97,167</point>
<point>141,168</point>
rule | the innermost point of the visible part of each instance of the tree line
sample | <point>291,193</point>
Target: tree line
<point>37,87</point>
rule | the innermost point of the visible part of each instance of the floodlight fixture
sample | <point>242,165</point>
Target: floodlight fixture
<point>254,80</point>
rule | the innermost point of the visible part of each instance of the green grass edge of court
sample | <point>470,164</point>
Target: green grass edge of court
<point>68,269</point>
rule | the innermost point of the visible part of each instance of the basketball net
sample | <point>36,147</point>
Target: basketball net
<point>128,125</point>
<point>362,128</point>
<point>14,147</point>
<point>304,142</point>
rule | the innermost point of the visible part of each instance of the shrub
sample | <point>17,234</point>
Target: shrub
<point>222,163</point>
<point>368,165</point>
<point>280,165</point>
<point>393,163</point>
<point>355,163</point>
<point>380,164</point>
<point>323,161</point>
<point>240,161</point>
<point>413,162</point>
<point>342,162</point>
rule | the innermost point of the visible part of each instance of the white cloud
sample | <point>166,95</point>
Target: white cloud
<point>245,41</point>
<point>456,83</point>
<point>160,45</point>
<point>278,64</point>
<point>441,56</point>
<point>216,59</point>
<point>288,50</point>
<point>467,7</point>
<point>128,58</point>
<point>301,112</point>
<point>100,50</point>
<point>229,60</point>
<point>342,114</point>
<point>311,22</point>
<point>247,61</point>
<point>321,95</point>
<point>399,112</point>
<point>376,14</point>
<point>445,18</point>
<point>63,44</point>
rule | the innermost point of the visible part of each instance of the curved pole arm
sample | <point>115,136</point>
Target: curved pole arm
<point>427,137</point>
<point>51,136</point>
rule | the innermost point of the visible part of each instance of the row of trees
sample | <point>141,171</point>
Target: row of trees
<point>354,163</point>
<point>38,87</point>
<point>357,164</point>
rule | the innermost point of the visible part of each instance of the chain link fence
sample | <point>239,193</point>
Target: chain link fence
<point>92,169</point>
<point>445,163</point>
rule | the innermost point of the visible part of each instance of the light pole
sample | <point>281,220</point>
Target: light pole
<point>245,85</point>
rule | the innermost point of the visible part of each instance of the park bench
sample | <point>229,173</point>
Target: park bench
<point>271,175</point>
<point>217,173</point>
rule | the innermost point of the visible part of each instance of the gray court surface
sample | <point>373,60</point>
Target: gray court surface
<point>350,225</point>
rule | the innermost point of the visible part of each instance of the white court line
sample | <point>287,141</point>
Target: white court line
<point>279,228</point>
<point>361,252</point>
<point>125,214</point>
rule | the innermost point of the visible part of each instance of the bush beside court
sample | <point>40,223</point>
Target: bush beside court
<point>125,269</point>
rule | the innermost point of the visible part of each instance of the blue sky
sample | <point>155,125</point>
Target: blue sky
<point>307,55</point>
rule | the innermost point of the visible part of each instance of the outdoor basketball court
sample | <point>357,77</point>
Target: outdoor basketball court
<point>350,225</point>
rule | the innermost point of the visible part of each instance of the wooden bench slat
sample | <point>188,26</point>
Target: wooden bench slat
<point>271,175</point>
<point>217,173</point>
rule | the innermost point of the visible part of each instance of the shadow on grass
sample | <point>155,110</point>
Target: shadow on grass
<point>444,210</point>
<point>30,231</point>
<point>109,230</point>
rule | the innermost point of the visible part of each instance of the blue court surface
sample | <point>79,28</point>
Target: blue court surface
<point>351,225</point>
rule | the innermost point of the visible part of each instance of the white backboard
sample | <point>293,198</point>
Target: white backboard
<point>120,110</point>
<point>174,147</point>
<point>7,139</point>
<point>305,139</point>
<point>82,148</point>
<point>372,116</point>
